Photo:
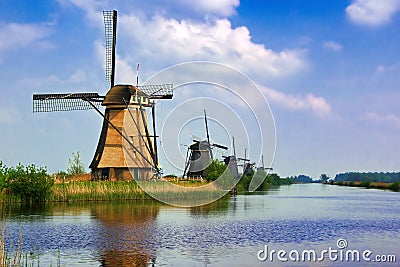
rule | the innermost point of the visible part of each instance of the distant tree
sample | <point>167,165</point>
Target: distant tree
<point>75,165</point>
<point>302,179</point>
<point>273,179</point>
<point>214,170</point>
<point>367,177</point>
<point>324,178</point>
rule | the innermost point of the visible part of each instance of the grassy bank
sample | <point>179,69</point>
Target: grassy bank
<point>33,184</point>
<point>376,185</point>
<point>121,190</point>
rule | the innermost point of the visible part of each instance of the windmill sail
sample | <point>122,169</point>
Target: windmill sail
<point>65,102</point>
<point>157,91</point>
<point>110,23</point>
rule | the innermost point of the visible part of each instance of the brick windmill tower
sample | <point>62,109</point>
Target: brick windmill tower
<point>126,149</point>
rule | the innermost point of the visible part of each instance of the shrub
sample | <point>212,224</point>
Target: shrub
<point>31,184</point>
<point>365,184</point>
<point>395,186</point>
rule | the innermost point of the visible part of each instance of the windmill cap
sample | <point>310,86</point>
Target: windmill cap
<point>119,93</point>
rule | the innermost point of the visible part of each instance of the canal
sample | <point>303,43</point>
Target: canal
<point>241,230</point>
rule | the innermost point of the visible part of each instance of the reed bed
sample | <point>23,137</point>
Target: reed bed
<point>127,190</point>
<point>374,185</point>
<point>97,190</point>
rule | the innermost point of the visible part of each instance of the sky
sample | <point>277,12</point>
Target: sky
<point>329,71</point>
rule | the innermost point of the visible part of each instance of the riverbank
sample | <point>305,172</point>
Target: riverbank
<point>374,185</point>
<point>73,191</point>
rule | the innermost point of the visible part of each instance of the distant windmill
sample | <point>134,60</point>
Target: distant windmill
<point>247,166</point>
<point>121,102</point>
<point>232,161</point>
<point>258,177</point>
<point>200,155</point>
<point>262,167</point>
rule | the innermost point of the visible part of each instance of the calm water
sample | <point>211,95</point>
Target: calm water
<point>229,232</point>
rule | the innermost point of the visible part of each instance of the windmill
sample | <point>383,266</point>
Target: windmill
<point>200,155</point>
<point>123,150</point>
<point>247,166</point>
<point>232,161</point>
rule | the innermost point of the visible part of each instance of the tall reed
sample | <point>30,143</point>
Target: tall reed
<point>123,190</point>
<point>96,190</point>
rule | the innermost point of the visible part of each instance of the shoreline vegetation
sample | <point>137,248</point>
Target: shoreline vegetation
<point>374,180</point>
<point>33,184</point>
<point>75,191</point>
<point>395,186</point>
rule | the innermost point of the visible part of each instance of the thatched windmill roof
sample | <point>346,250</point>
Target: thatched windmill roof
<point>119,93</point>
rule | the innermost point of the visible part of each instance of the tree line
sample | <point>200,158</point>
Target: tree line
<point>383,177</point>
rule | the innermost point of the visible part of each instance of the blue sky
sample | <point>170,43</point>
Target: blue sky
<point>329,70</point>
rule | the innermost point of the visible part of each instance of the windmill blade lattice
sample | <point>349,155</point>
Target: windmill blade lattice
<point>157,91</point>
<point>65,102</point>
<point>110,23</point>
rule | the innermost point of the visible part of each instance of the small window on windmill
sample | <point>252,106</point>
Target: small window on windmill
<point>134,99</point>
<point>145,100</point>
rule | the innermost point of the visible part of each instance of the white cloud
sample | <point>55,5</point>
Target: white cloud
<point>334,46</point>
<point>124,71</point>
<point>389,119</point>
<point>160,41</point>
<point>171,41</point>
<point>15,36</point>
<point>318,105</point>
<point>372,12</point>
